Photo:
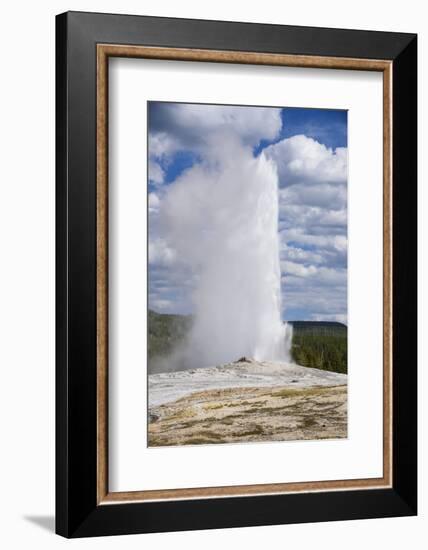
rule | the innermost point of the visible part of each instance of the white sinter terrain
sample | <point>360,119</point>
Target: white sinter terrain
<point>170,386</point>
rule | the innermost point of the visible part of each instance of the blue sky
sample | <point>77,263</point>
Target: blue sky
<point>309,149</point>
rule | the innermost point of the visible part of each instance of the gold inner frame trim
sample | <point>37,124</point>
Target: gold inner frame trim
<point>104,51</point>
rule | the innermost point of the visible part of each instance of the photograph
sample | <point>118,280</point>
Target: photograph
<point>213,260</point>
<point>247,273</point>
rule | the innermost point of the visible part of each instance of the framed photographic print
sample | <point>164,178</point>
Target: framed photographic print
<point>236,274</point>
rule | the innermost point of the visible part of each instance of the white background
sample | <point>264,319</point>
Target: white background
<point>27,274</point>
<point>132,83</point>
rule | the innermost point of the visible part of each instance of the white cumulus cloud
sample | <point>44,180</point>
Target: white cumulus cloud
<point>189,123</point>
<point>303,160</point>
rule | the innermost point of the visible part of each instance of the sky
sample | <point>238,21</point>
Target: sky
<point>307,147</point>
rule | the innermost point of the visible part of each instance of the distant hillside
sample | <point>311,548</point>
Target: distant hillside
<point>319,327</point>
<point>165,331</point>
<point>319,344</point>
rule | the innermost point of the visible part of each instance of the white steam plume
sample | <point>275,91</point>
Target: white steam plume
<point>221,219</point>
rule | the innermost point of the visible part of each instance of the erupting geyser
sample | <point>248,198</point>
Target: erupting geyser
<point>221,218</point>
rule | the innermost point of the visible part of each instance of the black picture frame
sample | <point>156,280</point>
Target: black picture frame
<point>77,512</point>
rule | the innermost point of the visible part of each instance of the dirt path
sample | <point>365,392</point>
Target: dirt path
<point>251,414</point>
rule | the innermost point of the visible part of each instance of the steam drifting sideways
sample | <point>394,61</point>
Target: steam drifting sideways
<point>218,224</point>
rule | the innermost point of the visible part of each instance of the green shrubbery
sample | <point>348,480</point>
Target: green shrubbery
<point>320,350</point>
